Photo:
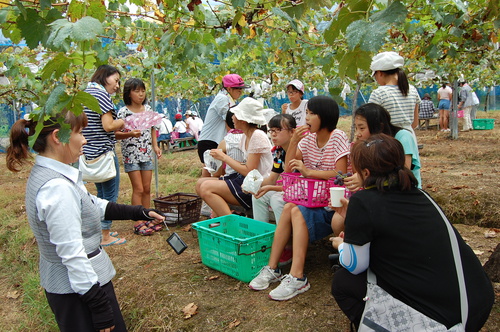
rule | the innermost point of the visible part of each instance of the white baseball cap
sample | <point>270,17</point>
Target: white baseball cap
<point>297,84</point>
<point>386,61</point>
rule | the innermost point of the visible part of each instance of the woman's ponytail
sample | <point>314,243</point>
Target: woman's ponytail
<point>403,84</point>
<point>18,150</point>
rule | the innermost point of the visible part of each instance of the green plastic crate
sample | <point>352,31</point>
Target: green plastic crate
<point>235,245</point>
<point>480,124</point>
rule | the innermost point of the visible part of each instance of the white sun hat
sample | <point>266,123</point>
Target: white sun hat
<point>386,61</point>
<point>249,110</point>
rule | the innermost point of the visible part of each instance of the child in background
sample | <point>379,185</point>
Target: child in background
<point>317,150</point>
<point>192,125</point>
<point>297,106</point>
<point>180,126</point>
<point>426,110</point>
<point>137,148</point>
<point>270,194</point>
<point>371,119</point>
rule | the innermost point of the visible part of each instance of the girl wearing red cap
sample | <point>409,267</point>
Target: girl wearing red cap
<point>180,126</point>
<point>214,128</point>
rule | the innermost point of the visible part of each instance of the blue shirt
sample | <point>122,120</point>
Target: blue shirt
<point>214,127</point>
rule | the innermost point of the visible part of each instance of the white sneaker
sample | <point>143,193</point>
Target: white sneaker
<point>289,287</point>
<point>264,278</point>
<point>205,209</point>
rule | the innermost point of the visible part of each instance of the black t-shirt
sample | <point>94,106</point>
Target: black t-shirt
<point>278,159</point>
<point>411,255</point>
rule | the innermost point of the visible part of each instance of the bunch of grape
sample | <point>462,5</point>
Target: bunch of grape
<point>339,178</point>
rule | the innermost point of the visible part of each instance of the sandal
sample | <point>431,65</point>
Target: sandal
<point>155,227</point>
<point>142,229</point>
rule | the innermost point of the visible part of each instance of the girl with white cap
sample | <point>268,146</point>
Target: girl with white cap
<point>257,153</point>
<point>395,94</point>
<point>297,106</point>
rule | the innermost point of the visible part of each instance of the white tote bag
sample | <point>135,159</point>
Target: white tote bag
<point>98,170</point>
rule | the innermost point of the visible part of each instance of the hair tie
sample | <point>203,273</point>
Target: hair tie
<point>398,168</point>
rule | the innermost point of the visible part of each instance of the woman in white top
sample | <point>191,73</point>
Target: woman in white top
<point>75,270</point>
<point>297,106</point>
<point>445,93</point>
<point>257,151</point>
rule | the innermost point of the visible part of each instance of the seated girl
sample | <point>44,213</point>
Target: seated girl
<point>370,119</point>
<point>270,194</point>
<point>230,145</point>
<point>317,150</point>
<point>257,155</point>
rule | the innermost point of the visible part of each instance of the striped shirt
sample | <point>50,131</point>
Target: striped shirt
<point>98,140</point>
<point>400,108</point>
<point>325,158</point>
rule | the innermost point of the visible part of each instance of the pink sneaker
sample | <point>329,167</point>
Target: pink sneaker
<point>286,257</point>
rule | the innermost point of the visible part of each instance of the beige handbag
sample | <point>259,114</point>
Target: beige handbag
<point>100,169</point>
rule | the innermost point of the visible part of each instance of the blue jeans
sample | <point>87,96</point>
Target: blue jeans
<point>164,137</point>
<point>109,191</point>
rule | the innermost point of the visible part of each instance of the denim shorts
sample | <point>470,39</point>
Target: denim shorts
<point>318,221</point>
<point>141,166</point>
<point>444,104</point>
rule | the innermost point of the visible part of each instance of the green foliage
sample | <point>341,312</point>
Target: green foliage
<point>309,39</point>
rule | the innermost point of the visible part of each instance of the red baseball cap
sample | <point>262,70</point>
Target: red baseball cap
<point>178,116</point>
<point>233,81</point>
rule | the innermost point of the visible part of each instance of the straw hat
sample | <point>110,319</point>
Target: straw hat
<point>249,110</point>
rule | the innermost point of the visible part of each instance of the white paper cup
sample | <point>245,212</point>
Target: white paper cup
<point>336,194</point>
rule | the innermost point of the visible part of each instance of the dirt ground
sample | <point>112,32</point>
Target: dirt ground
<point>154,284</point>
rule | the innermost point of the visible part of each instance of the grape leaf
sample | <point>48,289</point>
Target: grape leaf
<point>87,28</point>
<point>33,27</point>
<point>395,13</point>
<point>368,36</point>
<point>56,67</point>
<point>87,100</point>
<point>238,3</point>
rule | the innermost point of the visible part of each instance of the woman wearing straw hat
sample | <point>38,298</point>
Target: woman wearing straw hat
<point>248,115</point>
<point>395,94</point>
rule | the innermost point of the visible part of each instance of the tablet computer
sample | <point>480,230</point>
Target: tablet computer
<point>176,243</point>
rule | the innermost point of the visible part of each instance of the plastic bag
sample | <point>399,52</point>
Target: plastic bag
<point>252,182</point>
<point>211,164</point>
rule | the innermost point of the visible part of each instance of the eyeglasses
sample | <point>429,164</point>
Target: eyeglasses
<point>292,92</point>
<point>275,131</point>
<point>376,141</point>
